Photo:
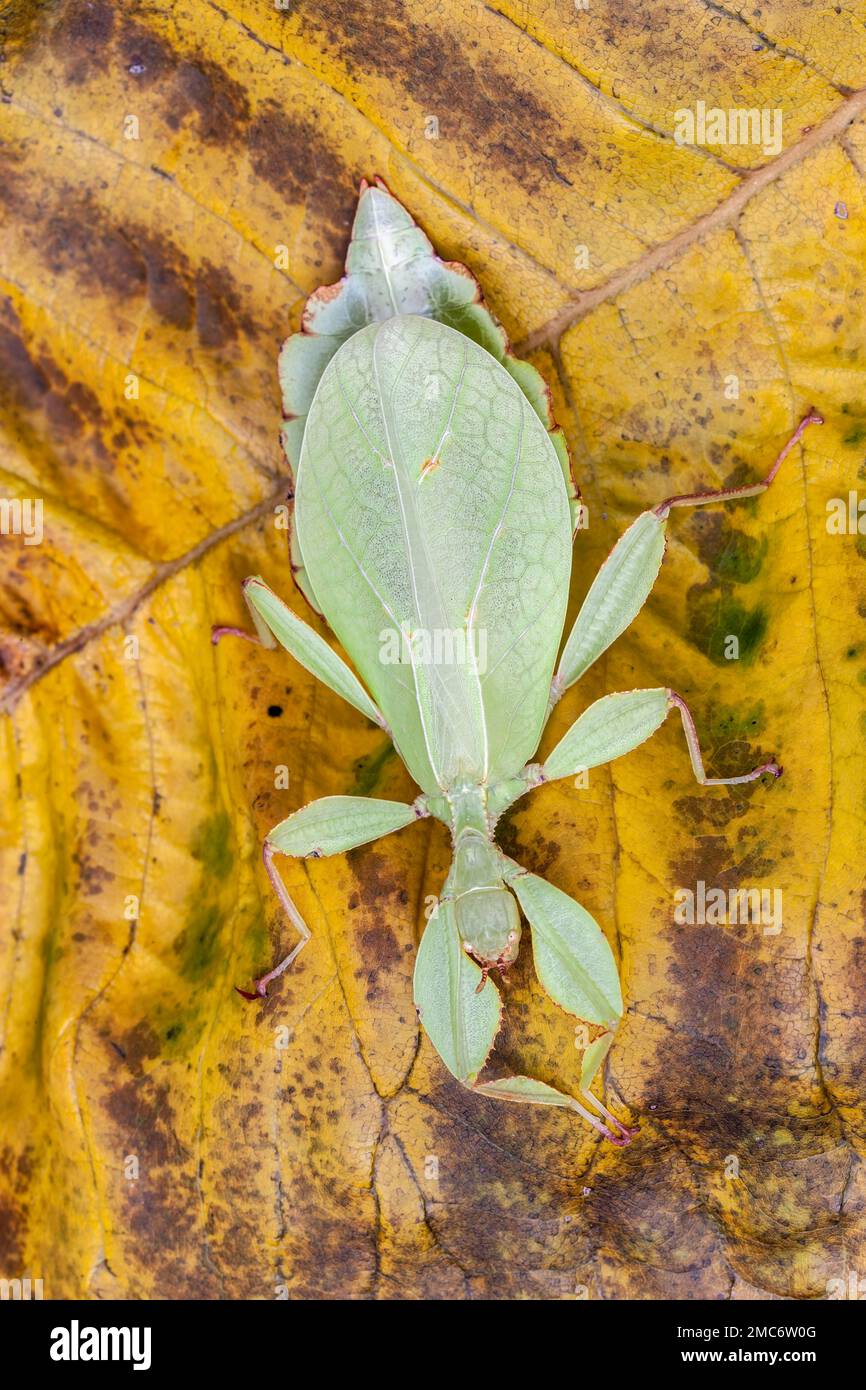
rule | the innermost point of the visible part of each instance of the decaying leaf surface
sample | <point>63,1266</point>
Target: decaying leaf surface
<point>174,183</point>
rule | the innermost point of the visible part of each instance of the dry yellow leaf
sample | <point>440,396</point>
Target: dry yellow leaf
<point>173,182</point>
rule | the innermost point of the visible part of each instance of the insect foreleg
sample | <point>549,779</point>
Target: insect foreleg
<point>733,494</point>
<point>274,619</point>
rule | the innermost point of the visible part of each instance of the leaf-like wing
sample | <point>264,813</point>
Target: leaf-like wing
<point>612,726</point>
<point>434,519</point>
<point>391,269</point>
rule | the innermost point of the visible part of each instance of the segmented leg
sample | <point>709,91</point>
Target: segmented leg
<point>218,632</point>
<point>695,752</point>
<point>331,825</point>
<point>275,622</point>
<point>263,635</point>
<point>260,986</point>
<point>627,576</point>
<point>525,1090</point>
<point>697,499</point>
<point>624,1134</point>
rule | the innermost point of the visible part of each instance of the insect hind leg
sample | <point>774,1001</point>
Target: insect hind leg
<point>618,1133</point>
<point>526,1090</point>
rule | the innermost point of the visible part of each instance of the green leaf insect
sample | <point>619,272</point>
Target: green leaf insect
<point>433,522</point>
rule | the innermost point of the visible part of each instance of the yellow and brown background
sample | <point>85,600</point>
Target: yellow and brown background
<point>338,1158</point>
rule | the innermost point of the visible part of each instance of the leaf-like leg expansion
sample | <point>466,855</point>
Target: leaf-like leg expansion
<point>698,499</point>
<point>275,622</point>
<point>263,636</point>
<point>677,702</point>
<point>623,584</point>
<point>616,724</point>
<point>462,1020</point>
<point>616,596</point>
<point>575,965</point>
<point>328,826</point>
<point>593,1056</point>
<point>610,727</point>
<point>573,960</point>
<point>334,824</point>
<point>272,616</point>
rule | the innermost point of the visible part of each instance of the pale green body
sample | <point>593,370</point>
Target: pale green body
<point>434,519</point>
<point>431,501</point>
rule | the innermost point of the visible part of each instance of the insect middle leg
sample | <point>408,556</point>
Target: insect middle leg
<point>691,733</point>
<point>626,578</point>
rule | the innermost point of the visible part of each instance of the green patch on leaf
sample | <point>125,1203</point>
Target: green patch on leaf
<point>197,944</point>
<point>715,617</point>
<point>211,845</point>
<point>368,771</point>
<point>741,558</point>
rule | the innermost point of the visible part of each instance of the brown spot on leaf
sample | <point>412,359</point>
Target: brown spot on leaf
<point>379,946</point>
<point>142,1108</point>
<point>92,876</point>
<point>23,384</point>
<point>12,1227</point>
<point>478,102</point>
<point>138,1045</point>
<point>219,315</point>
<point>168,283</point>
<point>30,386</point>
<point>146,56</point>
<point>219,102</point>
<point>76,237</point>
<point>81,36</point>
<point>536,853</point>
<point>289,153</point>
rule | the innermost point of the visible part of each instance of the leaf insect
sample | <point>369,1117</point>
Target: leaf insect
<point>433,504</point>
